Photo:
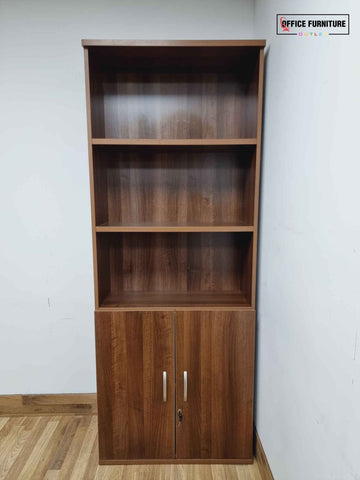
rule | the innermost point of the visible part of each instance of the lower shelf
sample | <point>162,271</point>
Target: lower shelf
<point>159,299</point>
<point>162,269</point>
<point>176,228</point>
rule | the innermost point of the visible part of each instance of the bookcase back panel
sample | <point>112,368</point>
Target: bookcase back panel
<point>174,93</point>
<point>165,105</point>
<point>174,262</point>
<point>174,186</point>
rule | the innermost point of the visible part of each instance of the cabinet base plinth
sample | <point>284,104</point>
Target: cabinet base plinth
<point>156,461</point>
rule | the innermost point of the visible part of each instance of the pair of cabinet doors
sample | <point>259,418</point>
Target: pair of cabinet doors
<point>175,385</point>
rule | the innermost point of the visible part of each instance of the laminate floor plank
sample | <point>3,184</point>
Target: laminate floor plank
<point>3,421</point>
<point>12,449</point>
<point>93,462</point>
<point>46,460</point>
<point>65,447</point>
<point>85,451</point>
<point>107,472</point>
<point>35,432</point>
<point>74,449</point>
<point>255,471</point>
<point>52,475</point>
<point>39,450</point>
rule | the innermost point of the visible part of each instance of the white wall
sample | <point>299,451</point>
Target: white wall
<point>308,369</point>
<point>46,285</point>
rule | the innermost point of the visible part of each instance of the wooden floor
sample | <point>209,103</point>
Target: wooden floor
<point>65,447</point>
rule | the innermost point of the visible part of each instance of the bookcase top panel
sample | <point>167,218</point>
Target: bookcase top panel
<point>172,43</point>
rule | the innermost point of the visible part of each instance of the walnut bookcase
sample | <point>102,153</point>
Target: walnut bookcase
<point>174,132</point>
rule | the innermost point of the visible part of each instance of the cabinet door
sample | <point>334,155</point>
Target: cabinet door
<point>136,408</point>
<point>216,350</point>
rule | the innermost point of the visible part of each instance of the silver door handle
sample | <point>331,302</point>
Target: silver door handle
<point>185,386</point>
<point>164,387</point>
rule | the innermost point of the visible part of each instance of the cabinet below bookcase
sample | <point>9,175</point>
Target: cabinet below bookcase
<point>207,355</point>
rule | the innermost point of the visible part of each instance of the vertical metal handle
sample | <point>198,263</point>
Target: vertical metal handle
<point>164,387</point>
<point>185,386</point>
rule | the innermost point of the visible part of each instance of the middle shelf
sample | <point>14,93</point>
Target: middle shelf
<point>113,227</point>
<point>174,188</point>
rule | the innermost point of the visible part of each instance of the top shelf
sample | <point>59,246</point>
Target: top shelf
<point>166,141</point>
<point>173,93</point>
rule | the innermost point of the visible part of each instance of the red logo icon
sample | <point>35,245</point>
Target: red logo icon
<point>283,24</point>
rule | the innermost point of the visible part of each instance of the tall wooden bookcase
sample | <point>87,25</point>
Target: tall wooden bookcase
<point>174,132</point>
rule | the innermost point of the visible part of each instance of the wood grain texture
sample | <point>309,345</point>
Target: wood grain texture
<point>209,94</point>
<point>71,456</point>
<point>133,349</point>
<point>260,96</point>
<point>174,142</point>
<point>173,43</point>
<point>263,464</point>
<point>176,300</point>
<point>161,264</point>
<point>36,456</point>
<point>69,449</point>
<point>164,105</point>
<point>217,351</point>
<point>174,186</point>
<point>108,228</point>
<point>55,404</point>
<point>91,116</point>
<point>225,307</point>
<point>180,461</point>
<point>169,126</point>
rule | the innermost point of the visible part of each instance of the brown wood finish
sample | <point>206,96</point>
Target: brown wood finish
<point>183,105</point>
<point>217,351</point>
<point>134,197</point>
<point>89,103</point>
<point>176,300</point>
<point>54,404</point>
<point>174,59</point>
<point>174,186</point>
<point>19,437</point>
<point>133,349</point>
<point>66,448</point>
<point>181,461</point>
<point>170,142</point>
<point>184,308</point>
<point>174,148</point>
<point>257,174</point>
<point>173,43</point>
<point>173,264</point>
<point>108,228</point>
